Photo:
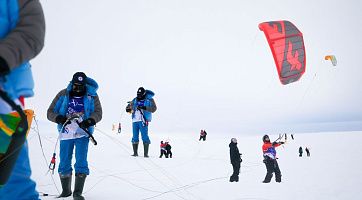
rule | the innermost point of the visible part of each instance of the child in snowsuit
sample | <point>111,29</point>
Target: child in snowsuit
<point>270,160</point>
<point>163,149</point>
<point>203,135</point>
<point>168,150</point>
<point>235,160</point>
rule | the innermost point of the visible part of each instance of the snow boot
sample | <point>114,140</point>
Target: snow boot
<point>135,148</point>
<point>145,149</point>
<point>78,187</point>
<point>66,181</point>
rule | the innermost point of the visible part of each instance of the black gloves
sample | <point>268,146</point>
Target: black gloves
<point>128,109</point>
<point>4,67</point>
<point>87,123</point>
<point>60,119</point>
<point>282,142</point>
<point>141,107</point>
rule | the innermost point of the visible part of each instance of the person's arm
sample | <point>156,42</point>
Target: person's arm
<point>152,108</point>
<point>26,40</point>
<point>51,114</point>
<point>97,114</point>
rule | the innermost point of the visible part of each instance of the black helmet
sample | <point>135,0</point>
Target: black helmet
<point>266,138</point>
<point>141,93</point>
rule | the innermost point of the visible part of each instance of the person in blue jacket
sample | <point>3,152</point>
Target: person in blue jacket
<point>22,32</point>
<point>141,108</point>
<point>75,109</point>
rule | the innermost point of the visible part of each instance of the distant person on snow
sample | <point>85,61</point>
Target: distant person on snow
<point>163,149</point>
<point>141,108</point>
<point>307,151</point>
<point>81,102</point>
<point>168,150</point>
<point>300,151</point>
<point>292,136</point>
<point>235,160</point>
<point>203,135</point>
<point>270,160</point>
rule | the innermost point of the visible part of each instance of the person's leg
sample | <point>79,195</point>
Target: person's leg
<point>135,137</point>
<point>65,154</point>
<point>278,174</point>
<point>81,153</point>
<point>269,164</point>
<point>19,185</point>
<point>145,139</point>
<point>81,166</point>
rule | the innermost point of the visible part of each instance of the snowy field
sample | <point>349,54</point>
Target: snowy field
<point>200,170</point>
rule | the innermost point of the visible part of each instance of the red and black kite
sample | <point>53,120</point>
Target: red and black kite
<point>287,46</point>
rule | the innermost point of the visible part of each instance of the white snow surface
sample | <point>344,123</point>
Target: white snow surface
<point>200,170</point>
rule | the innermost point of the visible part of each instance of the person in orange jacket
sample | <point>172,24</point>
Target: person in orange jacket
<point>270,160</point>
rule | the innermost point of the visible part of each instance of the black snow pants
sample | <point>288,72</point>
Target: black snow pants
<point>236,171</point>
<point>272,167</point>
<point>163,152</point>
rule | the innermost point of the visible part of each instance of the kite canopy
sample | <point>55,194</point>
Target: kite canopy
<point>287,46</point>
<point>332,58</point>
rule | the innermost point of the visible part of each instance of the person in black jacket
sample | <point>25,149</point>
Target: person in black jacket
<point>300,151</point>
<point>235,160</point>
<point>168,150</point>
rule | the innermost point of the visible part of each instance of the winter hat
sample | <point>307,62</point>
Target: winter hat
<point>265,138</point>
<point>79,78</point>
<point>141,92</point>
<point>233,140</point>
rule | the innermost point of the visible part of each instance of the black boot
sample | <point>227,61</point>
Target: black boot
<point>145,149</point>
<point>78,187</point>
<point>268,178</point>
<point>66,181</point>
<point>135,148</point>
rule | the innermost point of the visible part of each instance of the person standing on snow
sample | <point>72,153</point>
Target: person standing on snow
<point>235,160</point>
<point>163,149</point>
<point>81,102</point>
<point>22,33</point>
<point>270,160</point>
<point>307,151</point>
<point>141,108</point>
<point>168,150</point>
<point>300,151</point>
<point>203,135</point>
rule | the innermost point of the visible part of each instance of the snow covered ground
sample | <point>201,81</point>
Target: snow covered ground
<point>200,170</point>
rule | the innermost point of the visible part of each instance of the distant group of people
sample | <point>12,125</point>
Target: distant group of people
<point>165,148</point>
<point>307,150</point>
<point>203,135</point>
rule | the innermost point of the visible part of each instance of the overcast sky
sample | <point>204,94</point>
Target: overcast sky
<point>207,62</point>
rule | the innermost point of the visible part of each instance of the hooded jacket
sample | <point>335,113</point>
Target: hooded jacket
<point>92,105</point>
<point>149,103</point>
<point>234,153</point>
<point>22,32</point>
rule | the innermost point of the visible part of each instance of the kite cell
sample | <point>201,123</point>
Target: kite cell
<point>287,46</point>
<point>332,58</point>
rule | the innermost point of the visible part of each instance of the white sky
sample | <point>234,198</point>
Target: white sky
<point>207,62</point>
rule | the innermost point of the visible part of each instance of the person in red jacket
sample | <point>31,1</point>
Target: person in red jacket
<point>163,149</point>
<point>270,160</point>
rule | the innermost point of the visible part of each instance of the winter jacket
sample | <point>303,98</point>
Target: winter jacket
<point>234,153</point>
<point>149,103</point>
<point>22,31</point>
<point>269,150</point>
<point>168,147</point>
<point>92,105</point>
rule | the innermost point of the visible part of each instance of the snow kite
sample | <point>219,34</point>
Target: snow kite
<point>287,46</point>
<point>332,58</point>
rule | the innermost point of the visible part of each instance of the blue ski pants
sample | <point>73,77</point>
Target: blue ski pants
<point>143,128</point>
<point>19,185</point>
<point>66,154</point>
